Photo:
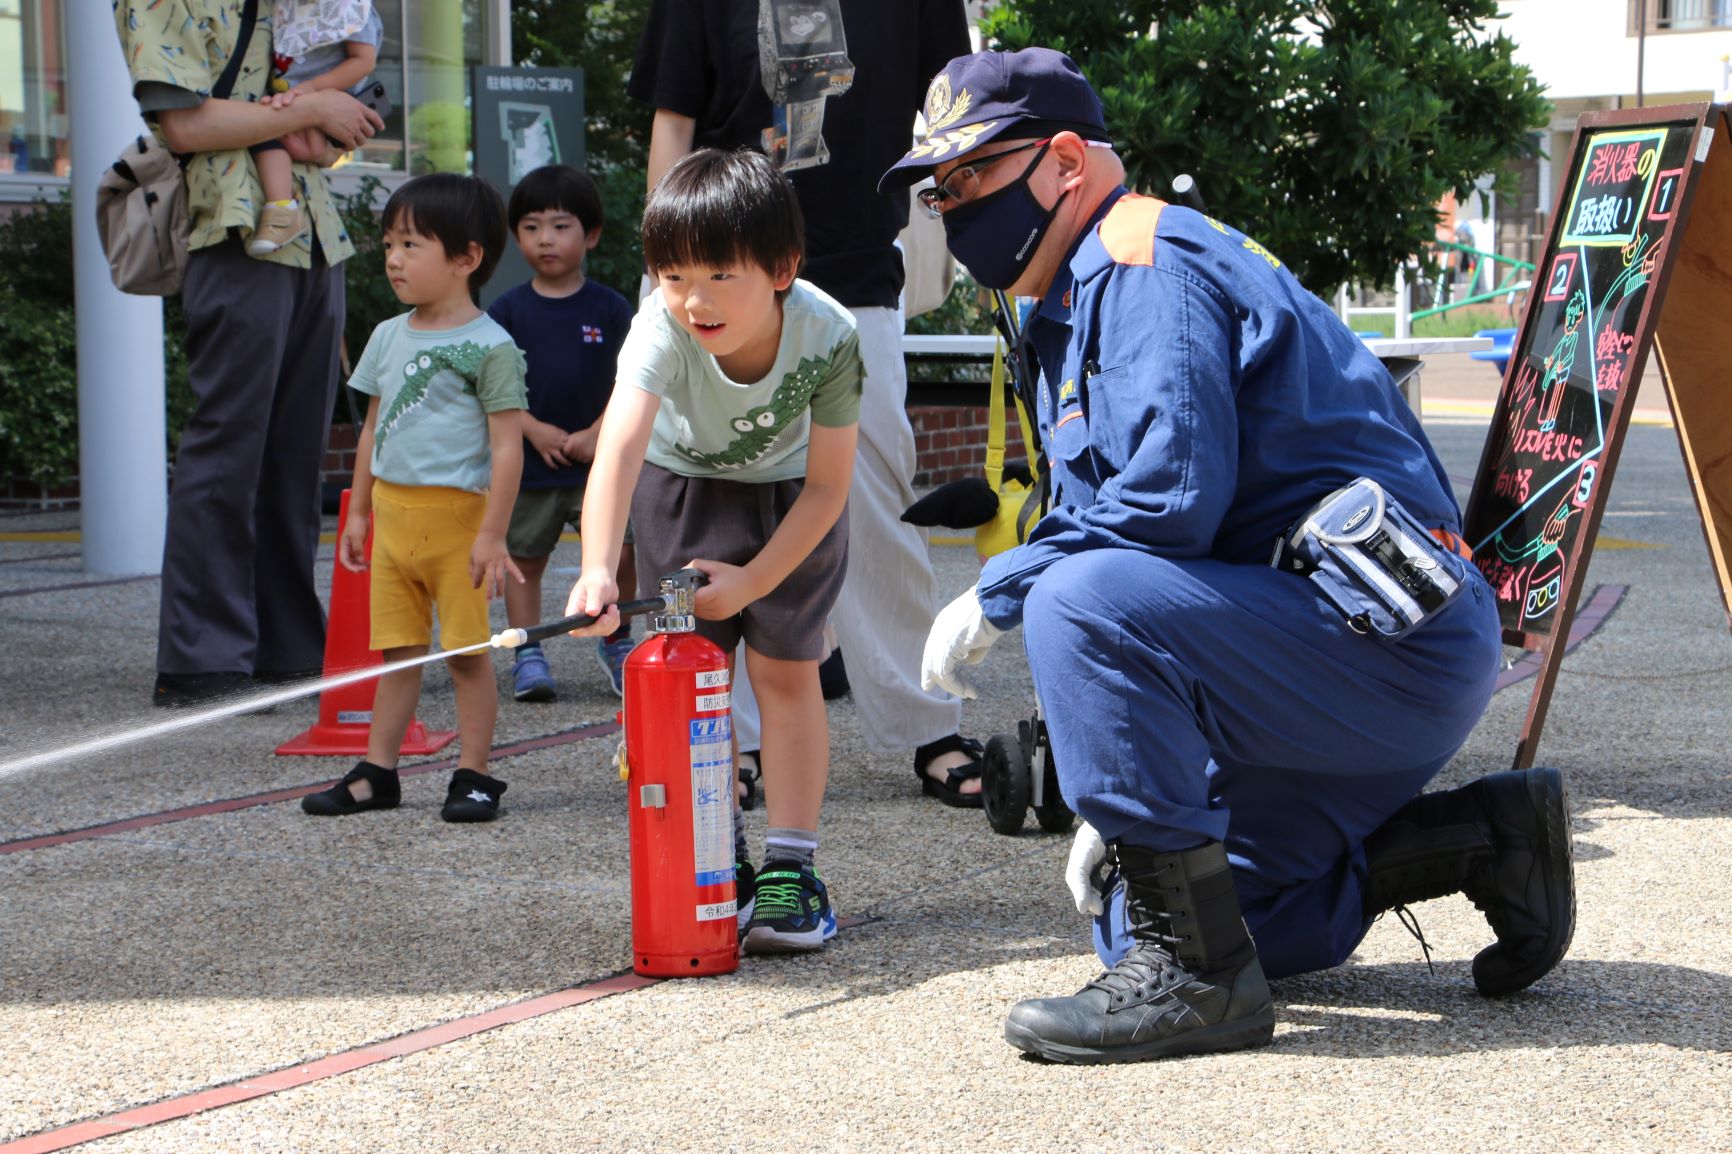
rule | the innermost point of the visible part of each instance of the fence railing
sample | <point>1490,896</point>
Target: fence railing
<point>1512,286</point>
<point>1432,285</point>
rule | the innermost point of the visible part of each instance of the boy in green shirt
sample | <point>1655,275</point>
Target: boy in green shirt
<point>734,416</point>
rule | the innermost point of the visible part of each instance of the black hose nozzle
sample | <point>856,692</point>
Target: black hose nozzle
<point>515,638</point>
<point>688,579</point>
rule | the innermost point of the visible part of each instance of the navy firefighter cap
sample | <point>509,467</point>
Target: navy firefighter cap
<point>991,95</point>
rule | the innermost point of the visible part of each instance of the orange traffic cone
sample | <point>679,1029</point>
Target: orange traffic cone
<point>346,712</point>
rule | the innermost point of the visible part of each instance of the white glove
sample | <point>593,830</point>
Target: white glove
<point>960,635</point>
<point>1087,853</point>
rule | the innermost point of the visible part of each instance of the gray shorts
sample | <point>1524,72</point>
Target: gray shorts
<point>681,518</point>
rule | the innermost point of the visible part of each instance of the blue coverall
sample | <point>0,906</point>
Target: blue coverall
<point>1195,400</point>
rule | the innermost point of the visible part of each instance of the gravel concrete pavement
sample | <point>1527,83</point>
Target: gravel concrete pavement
<point>199,955</point>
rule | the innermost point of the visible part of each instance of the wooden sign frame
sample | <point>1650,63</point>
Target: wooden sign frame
<point>1669,221</point>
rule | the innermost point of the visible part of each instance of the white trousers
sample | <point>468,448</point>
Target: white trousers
<point>890,596</point>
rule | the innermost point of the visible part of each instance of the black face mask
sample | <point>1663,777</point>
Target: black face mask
<point>996,235</point>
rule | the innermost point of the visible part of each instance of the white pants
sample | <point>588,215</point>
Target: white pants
<point>890,596</point>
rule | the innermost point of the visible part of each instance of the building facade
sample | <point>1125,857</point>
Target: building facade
<point>1603,54</point>
<point>424,64</point>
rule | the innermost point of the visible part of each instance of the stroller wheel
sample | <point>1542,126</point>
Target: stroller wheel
<point>1005,784</point>
<point>1052,813</point>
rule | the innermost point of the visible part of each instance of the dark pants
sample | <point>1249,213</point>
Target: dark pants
<point>243,514</point>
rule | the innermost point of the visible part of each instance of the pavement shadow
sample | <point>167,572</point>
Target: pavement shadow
<point>1371,1011</point>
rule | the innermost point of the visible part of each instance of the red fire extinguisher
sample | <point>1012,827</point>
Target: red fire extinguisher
<point>680,770</point>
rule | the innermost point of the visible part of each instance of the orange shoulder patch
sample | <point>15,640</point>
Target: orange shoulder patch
<point>1128,230</point>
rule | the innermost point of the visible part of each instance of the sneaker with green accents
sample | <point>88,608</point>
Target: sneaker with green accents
<point>791,911</point>
<point>745,892</point>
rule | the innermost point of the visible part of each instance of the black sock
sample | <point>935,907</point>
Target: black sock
<point>623,633</point>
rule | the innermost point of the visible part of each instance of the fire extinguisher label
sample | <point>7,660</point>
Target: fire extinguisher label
<point>713,679</point>
<point>712,799</point>
<point>710,702</point>
<point>716,911</point>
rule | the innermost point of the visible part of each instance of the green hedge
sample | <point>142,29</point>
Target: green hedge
<point>39,348</point>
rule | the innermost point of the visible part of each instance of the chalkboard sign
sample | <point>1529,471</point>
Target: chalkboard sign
<point>1548,461</point>
<point>1628,220</point>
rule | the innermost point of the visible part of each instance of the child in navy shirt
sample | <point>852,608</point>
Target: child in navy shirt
<point>570,330</point>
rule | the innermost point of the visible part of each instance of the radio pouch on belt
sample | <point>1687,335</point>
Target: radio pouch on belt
<point>1382,570</point>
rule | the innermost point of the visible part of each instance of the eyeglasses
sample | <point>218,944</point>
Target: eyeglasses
<point>963,183</point>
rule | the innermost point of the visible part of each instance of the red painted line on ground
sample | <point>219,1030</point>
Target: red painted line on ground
<point>333,1065</point>
<point>76,586</point>
<point>1605,598</point>
<point>186,1105</point>
<point>229,805</point>
<point>48,557</point>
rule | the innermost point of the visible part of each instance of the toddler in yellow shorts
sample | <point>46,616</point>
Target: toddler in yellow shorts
<point>422,536</point>
<point>436,475</point>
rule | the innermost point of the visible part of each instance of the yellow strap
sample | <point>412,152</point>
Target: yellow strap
<point>995,420</point>
<point>995,430</point>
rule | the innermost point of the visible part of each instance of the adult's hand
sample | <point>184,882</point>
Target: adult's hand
<point>310,146</point>
<point>1087,853</point>
<point>347,121</point>
<point>960,636</point>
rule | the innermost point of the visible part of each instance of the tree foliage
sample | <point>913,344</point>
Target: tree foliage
<point>1327,129</point>
<point>600,38</point>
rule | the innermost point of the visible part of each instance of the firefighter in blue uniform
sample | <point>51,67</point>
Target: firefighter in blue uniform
<point>1247,758</point>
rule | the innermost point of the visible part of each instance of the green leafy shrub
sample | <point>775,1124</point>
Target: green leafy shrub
<point>367,291</point>
<point>39,349</point>
<point>38,390</point>
<point>439,131</point>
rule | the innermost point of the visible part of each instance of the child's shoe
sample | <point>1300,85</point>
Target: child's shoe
<point>531,680</point>
<point>472,797</point>
<point>745,892</point>
<point>339,800</point>
<point>612,655</point>
<point>278,225</point>
<point>791,911</point>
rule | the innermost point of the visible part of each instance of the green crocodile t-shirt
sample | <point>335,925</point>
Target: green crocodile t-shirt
<point>711,426</point>
<point>435,389</point>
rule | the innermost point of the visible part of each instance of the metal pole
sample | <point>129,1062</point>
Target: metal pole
<point>1641,47</point>
<point>122,434</point>
<point>498,38</point>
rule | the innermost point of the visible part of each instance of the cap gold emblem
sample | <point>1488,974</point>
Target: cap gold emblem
<point>941,110</point>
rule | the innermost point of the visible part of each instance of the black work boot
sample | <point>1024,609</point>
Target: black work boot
<point>1504,841</point>
<point>1191,982</point>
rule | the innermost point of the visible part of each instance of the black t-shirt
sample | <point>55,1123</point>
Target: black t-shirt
<point>699,58</point>
<point>571,346</point>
